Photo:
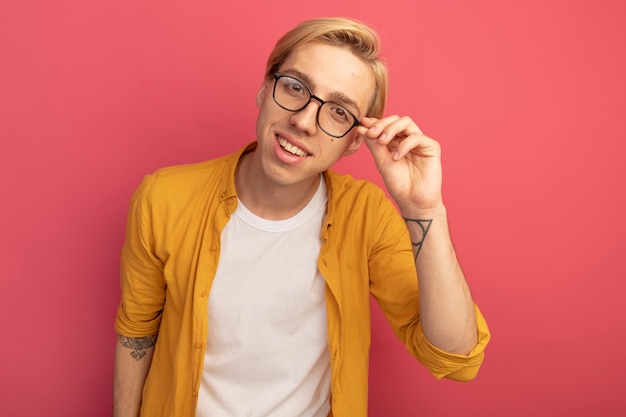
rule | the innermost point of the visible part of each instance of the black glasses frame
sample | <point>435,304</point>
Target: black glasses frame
<point>312,96</point>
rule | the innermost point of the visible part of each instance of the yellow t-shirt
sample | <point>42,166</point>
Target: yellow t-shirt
<point>170,257</point>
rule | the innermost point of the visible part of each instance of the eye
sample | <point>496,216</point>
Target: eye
<point>294,86</point>
<point>340,113</point>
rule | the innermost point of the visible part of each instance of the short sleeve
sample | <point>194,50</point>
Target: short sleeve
<point>448,365</point>
<point>141,271</point>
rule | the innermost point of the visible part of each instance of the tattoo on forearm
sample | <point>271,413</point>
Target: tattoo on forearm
<point>137,344</point>
<point>424,226</point>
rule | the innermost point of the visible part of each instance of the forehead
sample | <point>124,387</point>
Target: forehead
<point>332,71</point>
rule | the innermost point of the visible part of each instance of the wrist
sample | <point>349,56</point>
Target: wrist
<point>423,213</point>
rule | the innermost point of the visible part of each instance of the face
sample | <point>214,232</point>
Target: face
<point>292,149</point>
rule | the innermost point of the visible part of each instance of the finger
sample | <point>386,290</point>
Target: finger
<point>379,151</point>
<point>386,129</point>
<point>389,128</point>
<point>400,127</point>
<point>417,144</point>
<point>367,122</point>
<point>375,128</point>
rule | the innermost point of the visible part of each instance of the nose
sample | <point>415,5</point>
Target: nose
<point>306,119</point>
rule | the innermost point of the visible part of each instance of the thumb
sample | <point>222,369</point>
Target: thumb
<point>379,151</point>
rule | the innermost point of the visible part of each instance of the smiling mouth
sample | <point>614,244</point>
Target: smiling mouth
<point>292,149</point>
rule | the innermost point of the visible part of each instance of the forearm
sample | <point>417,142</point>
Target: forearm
<point>133,357</point>
<point>446,305</point>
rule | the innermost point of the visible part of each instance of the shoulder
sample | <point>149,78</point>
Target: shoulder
<point>182,181</point>
<point>347,183</point>
<point>347,189</point>
<point>362,211</point>
<point>188,173</point>
<point>360,202</point>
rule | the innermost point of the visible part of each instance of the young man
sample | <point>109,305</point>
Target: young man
<point>246,280</point>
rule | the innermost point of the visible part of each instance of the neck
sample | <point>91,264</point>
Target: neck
<point>266,198</point>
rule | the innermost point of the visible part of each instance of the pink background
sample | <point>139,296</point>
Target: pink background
<point>528,99</point>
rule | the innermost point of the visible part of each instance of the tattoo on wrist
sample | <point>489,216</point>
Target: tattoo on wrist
<point>137,344</point>
<point>424,226</point>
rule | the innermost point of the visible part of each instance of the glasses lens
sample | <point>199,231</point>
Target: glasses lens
<point>335,119</point>
<point>291,94</point>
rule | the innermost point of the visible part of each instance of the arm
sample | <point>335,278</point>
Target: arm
<point>410,165</point>
<point>142,301</point>
<point>446,304</point>
<point>132,362</point>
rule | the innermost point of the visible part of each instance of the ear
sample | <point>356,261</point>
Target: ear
<point>355,144</point>
<point>260,95</point>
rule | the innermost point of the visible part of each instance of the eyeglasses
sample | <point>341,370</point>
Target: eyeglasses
<point>293,95</point>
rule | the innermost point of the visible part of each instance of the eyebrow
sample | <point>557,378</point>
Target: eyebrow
<point>336,96</point>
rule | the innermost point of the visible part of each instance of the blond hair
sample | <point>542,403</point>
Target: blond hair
<point>357,37</point>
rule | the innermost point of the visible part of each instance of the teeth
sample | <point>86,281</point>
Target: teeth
<point>290,148</point>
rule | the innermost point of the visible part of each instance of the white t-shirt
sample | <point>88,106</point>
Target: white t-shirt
<point>267,349</point>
